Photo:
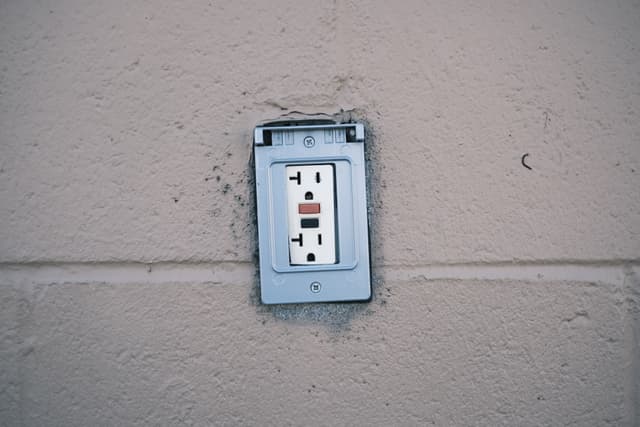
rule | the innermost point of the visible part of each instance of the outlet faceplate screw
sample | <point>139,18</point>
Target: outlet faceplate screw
<point>315,287</point>
<point>309,142</point>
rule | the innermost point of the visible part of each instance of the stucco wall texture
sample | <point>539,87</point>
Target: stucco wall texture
<point>503,296</point>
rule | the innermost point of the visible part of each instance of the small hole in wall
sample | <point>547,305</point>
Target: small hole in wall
<point>308,195</point>
<point>311,257</point>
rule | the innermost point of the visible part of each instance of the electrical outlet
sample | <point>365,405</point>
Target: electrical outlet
<point>311,216</point>
<point>313,236</point>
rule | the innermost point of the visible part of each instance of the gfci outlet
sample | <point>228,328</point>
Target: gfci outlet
<point>312,212</point>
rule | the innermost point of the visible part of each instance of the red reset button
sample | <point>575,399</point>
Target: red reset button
<point>309,208</point>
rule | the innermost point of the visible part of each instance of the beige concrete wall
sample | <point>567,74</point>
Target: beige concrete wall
<point>503,295</point>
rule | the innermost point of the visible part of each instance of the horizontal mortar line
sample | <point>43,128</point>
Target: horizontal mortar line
<point>245,272</point>
<point>45,263</point>
<point>165,272</point>
<point>517,262</point>
<point>612,274</point>
<point>217,263</point>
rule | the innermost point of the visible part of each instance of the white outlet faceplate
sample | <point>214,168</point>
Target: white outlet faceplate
<point>313,236</point>
<point>311,215</point>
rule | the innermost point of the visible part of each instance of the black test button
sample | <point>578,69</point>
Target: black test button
<point>310,223</point>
